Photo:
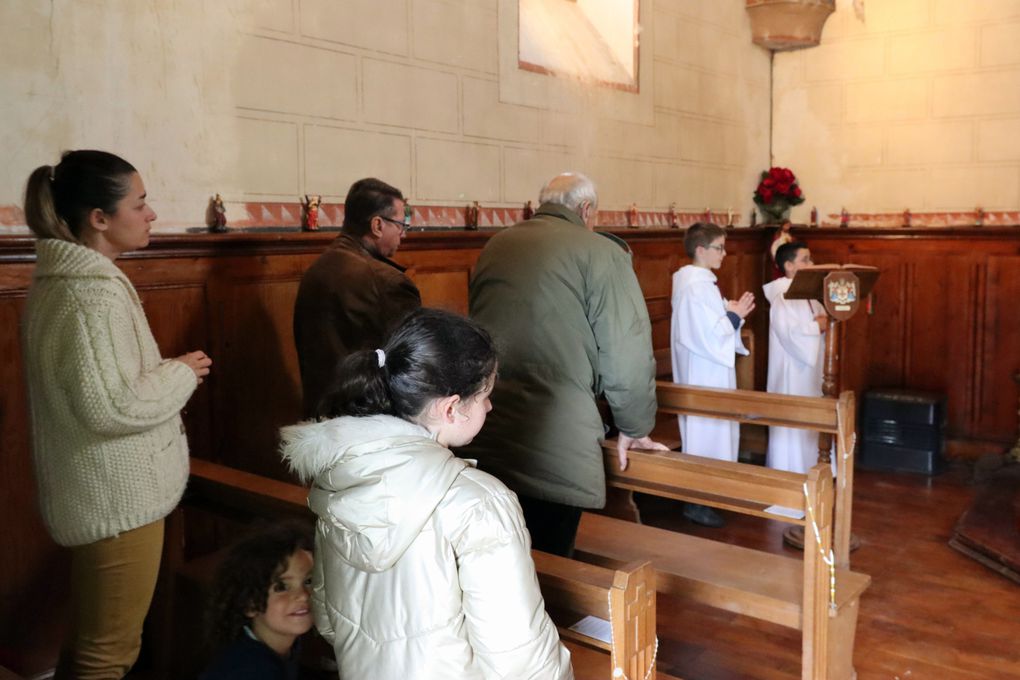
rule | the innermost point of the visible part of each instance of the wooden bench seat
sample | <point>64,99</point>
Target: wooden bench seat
<point>741,580</point>
<point>787,591</point>
<point>834,418</point>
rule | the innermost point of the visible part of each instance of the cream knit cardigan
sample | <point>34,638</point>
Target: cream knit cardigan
<point>108,442</point>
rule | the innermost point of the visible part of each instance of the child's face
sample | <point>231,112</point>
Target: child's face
<point>803,259</point>
<point>287,613</point>
<point>711,256</point>
<point>468,417</point>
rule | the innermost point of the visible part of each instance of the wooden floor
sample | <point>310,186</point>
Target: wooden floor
<point>931,613</point>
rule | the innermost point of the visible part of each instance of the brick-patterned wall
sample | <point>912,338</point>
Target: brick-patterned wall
<point>917,106</point>
<point>265,100</point>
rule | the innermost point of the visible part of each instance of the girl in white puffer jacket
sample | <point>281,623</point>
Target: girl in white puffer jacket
<point>422,564</point>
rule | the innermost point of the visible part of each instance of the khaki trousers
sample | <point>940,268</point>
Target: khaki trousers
<point>112,582</point>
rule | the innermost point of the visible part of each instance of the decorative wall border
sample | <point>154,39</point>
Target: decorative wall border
<point>288,214</point>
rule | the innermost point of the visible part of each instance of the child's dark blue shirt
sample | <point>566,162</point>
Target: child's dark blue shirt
<point>250,659</point>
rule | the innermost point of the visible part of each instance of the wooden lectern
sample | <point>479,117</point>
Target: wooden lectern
<point>841,289</point>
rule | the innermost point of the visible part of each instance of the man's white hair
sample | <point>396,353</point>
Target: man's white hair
<point>570,189</point>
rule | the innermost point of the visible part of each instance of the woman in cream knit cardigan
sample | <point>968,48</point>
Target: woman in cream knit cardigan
<point>110,455</point>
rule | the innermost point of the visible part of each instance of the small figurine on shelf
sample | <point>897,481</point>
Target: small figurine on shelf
<point>754,217</point>
<point>907,218</point>
<point>310,212</point>
<point>729,217</point>
<point>528,212</point>
<point>979,218</point>
<point>632,215</point>
<point>814,217</point>
<point>844,218</point>
<point>671,216</point>
<point>216,215</point>
<point>706,216</point>
<point>471,216</point>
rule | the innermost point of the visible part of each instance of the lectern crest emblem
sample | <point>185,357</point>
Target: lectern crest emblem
<point>841,294</point>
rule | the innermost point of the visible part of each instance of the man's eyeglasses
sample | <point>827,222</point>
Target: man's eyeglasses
<point>399,223</point>
<point>721,249</point>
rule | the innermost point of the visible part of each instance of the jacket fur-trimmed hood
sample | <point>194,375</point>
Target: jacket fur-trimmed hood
<point>375,481</point>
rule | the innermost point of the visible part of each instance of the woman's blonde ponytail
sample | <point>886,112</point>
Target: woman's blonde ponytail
<point>40,208</point>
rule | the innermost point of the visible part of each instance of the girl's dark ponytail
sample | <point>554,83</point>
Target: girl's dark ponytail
<point>358,389</point>
<point>432,354</point>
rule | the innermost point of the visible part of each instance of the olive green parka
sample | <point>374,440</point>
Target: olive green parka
<point>570,324</point>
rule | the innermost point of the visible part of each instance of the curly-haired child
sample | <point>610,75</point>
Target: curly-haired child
<point>260,606</point>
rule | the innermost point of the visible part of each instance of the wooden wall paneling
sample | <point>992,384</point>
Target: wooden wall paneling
<point>33,572</point>
<point>873,345</point>
<point>940,325</point>
<point>655,262</point>
<point>178,317</point>
<point>256,386</point>
<point>442,277</point>
<point>995,413</point>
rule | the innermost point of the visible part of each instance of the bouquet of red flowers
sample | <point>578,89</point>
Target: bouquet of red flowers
<point>776,192</point>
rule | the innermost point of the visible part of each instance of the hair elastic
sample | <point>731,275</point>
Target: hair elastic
<point>382,357</point>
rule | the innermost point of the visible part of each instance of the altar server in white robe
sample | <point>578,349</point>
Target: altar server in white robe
<point>796,347</point>
<point>705,339</point>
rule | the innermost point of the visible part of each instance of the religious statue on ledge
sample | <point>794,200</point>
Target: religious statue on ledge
<point>528,212</point>
<point>844,218</point>
<point>216,215</point>
<point>814,217</point>
<point>907,218</point>
<point>671,216</point>
<point>472,215</point>
<point>310,212</point>
<point>632,215</point>
<point>979,218</point>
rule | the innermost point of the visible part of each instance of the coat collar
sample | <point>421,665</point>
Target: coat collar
<point>346,241</point>
<point>560,211</point>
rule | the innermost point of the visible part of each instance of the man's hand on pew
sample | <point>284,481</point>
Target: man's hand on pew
<point>625,443</point>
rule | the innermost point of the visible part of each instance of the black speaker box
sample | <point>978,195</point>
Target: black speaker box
<point>903,431</point>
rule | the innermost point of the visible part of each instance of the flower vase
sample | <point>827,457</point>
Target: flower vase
<point>774,213</point>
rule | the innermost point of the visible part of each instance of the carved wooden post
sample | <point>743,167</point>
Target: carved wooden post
<point>830,383</point>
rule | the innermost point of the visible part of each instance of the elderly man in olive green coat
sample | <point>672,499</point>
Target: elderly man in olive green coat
<point>565,309</point>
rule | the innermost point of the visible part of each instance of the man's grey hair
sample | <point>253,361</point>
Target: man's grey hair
<point>570,189</point>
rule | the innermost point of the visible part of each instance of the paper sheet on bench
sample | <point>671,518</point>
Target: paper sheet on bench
<point>785,512</point>
<point>594,627</point>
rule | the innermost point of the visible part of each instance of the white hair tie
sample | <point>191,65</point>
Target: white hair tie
<point>382,357</point>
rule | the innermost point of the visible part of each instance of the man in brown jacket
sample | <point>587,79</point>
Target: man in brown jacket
<point>354,295</point>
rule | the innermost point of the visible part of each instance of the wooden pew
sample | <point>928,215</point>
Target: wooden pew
<point>791,592</point>
<point>623,594</point>
<point>835,417</point>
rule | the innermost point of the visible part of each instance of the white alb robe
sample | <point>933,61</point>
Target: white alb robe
<point>796,349</point>
<point>704,346</point>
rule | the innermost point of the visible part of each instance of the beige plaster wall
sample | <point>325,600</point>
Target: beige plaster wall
<point>264,100</point>
<point>917,105</point>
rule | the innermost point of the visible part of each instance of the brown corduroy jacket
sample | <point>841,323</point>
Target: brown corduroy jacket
<point>349,299</point>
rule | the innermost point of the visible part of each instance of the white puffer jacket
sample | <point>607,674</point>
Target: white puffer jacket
<point>422,562</point>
